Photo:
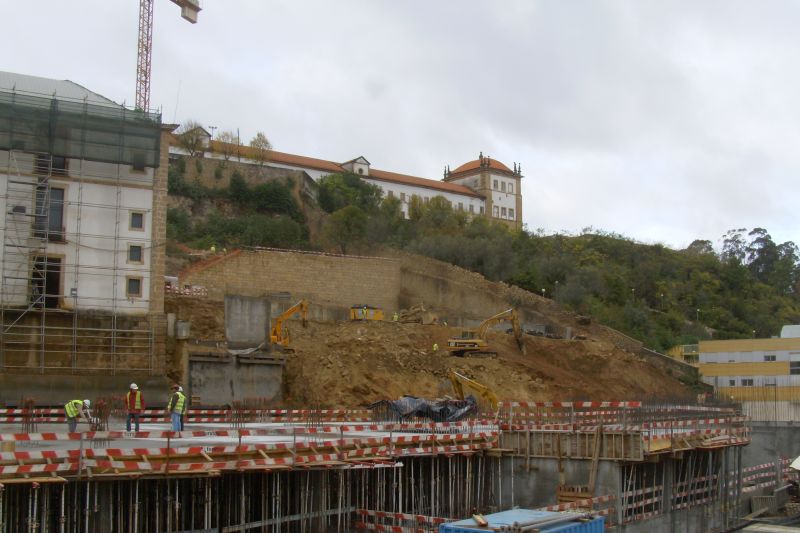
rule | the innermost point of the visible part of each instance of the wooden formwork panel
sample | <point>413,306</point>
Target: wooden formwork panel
<point>575,445</point>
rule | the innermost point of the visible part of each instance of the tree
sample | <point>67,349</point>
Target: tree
<point>700,247</point>
<point>238,190</point>
<point>345,227</point>
<point>261,147</point>
<point>337,191</point>
<point>229,144</point>
<point>734,245</point>
<point>191,137</point>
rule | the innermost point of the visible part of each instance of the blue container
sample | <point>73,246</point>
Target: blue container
<point>507,518</point>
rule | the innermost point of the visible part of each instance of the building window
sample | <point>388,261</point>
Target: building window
<point>390,194</point>
<point>402,197</point>
<point>46,282</point>
<point>471,208</point>
<point>49,221</point>
<point>137,220</point>
<point>138,161</point>
<point>495,185</point>
<point>496,211</point>
<point>55,165</point>
<point>511,214</point>
<point>133,287</point>
<point>503,186</point>
<point>360,170</point>
<point>794,368</point>
<point>135,253</point>
<point>510,188</point>
<point>482,210</point>
<point>460,206</point>
<point>503,212</point>
<point>769,358</point>
<point>731,382</point>
<point>747,382</point>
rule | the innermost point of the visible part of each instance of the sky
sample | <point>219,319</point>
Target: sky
<point>664,121</point>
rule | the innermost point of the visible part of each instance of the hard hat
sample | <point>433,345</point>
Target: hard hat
<point>87,403</point>
<point>134,386</point>
<point>180,389</point>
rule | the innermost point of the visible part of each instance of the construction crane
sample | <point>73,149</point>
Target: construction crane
<point>189,11</point>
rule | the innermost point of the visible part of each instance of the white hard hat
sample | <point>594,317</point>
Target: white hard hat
<point>180,389</point>
<point>87,403</point>
<point>134,386</point>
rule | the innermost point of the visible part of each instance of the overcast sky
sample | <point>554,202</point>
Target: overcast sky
<point>664,121</point>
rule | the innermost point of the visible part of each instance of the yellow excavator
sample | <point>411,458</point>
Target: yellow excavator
<point>472,342</point>
<point>462,385</point>
<point>279,334</point>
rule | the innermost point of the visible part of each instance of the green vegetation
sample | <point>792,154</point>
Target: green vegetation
<point>661,296</point>
<point>267,214</point>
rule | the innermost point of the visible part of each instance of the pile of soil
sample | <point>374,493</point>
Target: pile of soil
<point>352,364</point>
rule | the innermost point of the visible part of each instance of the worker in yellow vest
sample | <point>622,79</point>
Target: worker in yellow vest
<point>134,404</point>
<point>77,409</point>
<point>175,407</point>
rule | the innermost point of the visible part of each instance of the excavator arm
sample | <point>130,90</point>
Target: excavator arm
<point>277,334</point>
<point>462,384</point>
<point>511,316</point>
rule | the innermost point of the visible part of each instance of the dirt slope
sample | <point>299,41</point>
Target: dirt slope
<point>351,364</point>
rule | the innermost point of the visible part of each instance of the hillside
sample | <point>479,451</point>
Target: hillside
<point>663,297</point>
<point>350,364</point>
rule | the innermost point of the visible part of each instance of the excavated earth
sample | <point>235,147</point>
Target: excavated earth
<point>352,364</point>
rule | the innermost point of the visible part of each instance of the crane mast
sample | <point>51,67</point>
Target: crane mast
<point>189,11</point>
<point>145,54</point>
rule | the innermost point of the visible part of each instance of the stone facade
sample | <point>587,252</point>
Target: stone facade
<point>324,279</point>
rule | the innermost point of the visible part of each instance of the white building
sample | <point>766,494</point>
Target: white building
<point>83,202</point>
<point>480,187</point>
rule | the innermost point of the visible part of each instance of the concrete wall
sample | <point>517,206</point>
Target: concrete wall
<point>770,442</point>
<point>324,279</point>
<point>246,320</point>
<point>59,389</point>
<point>536,488</point>
<point>221,382</point>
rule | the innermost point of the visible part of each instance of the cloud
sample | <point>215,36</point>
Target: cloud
<point>663,121</point>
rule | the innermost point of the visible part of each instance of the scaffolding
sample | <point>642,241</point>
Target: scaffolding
<point>78,188</point>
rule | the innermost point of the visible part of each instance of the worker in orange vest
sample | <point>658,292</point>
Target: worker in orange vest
<point>134,404</point>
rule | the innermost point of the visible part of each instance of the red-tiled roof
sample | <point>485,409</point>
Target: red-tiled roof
<point>472,165</point>
<point>329,166</point>
<point>277,157</point>
<point>393,177</point>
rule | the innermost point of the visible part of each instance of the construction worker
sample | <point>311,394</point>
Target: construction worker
<point>134,404</point>
<point>175,406</point>
<point>395,317</point>
<point>74,410</point>
<point>183,413</point>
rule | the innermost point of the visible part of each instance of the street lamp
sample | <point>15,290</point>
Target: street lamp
<point>543,291</point>
<point>698,315</point>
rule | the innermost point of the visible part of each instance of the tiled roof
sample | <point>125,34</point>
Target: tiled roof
<point>393,177</point>
<point>329,166</point>
<point>472,165</point>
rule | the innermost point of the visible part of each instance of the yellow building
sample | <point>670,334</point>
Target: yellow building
<point>761,370</point>
<point>688,353</point>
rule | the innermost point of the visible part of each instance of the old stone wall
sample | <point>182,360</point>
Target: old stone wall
<point>217,173</point>
<point>324,279</point>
